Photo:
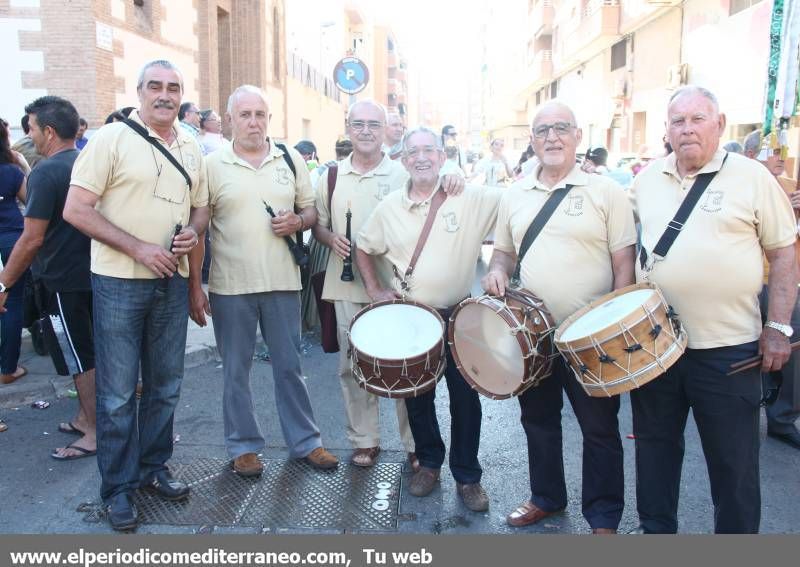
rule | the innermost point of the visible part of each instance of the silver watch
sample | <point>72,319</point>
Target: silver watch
<point>786,330</point>
<point>3,288</point>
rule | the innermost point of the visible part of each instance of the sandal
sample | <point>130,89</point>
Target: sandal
<point>11,378</point>
<point>70,429</point>
<point>365,457</point>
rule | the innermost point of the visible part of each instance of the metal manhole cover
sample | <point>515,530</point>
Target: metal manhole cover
<point>289,494</point>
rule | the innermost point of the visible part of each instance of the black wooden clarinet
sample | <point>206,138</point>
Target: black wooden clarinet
<point>163,285</point>
<point>347,268</point>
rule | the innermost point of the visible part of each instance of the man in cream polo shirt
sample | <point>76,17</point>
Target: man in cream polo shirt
<point>711,276</point>
<point>254,281</point>
<point>128,197</point>
<point>442,278</point>
<point>585,250</point>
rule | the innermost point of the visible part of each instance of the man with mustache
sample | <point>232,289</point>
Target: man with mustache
<point>585,250</point>
<point>441,278</point>
<point>711,276</point>
<point>130,199</point>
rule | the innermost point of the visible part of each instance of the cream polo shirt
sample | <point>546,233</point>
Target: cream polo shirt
<point>140,191</point>
<point>446,268</point>
<point>246,255</point>
<point>712,274</point>
<point>361,193</point>
<point>569,264</point>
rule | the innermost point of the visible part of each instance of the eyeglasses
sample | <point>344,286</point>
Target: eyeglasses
<point>373,125</point>
<point>560,129</point>
<point>453,134</point>
<point>427,151</point>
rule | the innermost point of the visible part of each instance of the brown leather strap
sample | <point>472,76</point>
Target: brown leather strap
<point>333,174</point>
<point>436,202</point>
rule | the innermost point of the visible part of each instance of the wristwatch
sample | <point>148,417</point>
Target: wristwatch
<point>786,330</point>
<point>3,288</point>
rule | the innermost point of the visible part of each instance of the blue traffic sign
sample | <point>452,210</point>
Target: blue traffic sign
<point>351,75</point>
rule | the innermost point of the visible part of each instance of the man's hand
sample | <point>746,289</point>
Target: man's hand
<point>185,240</point>
<point>495,282</point>
<point>340,245</point>
<point>382,294</point>
<point>774,348</point>
<point>156,259</point>
<point>795,200</point>
<point>453,185</point>
<point>3,297</point>
<point>198,305</point>
<point>286,223</point>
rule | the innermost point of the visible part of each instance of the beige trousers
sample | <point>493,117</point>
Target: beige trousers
<point>362,407</point>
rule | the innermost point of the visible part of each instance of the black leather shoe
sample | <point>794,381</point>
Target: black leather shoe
<point>791,438</point>
<point>122,514</point>
<point>166,486</point>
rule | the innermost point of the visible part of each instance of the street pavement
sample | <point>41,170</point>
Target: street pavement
<point>41,495</point>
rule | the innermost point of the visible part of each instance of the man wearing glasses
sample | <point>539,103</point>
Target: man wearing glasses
<point>364,179</point>
<point>585,250</point>
<point>130,199</point>
<point>189,116</point>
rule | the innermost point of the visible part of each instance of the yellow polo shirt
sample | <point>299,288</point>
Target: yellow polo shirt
<point>246,255</point>
<point>140,191</point>
<point>569,264</point>
<point>446,268</point>
<point>361,193</point>
<point>712,274</point>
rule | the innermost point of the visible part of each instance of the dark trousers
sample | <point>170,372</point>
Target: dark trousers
<point>465,426</point>
<point>11,320</point>
<point>603,487</point>
<point>726,410</point>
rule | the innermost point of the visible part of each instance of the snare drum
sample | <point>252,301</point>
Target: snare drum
<point>397,348</point>
<point>502,346</point>
<point>622,340</point>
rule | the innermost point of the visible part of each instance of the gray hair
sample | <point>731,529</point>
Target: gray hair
<point>558,104</point>
<point>752,142</point>
<point>370,102</point>
<point>437,140</point>
<point>695,89</point>
<point>252,89</point>
<point>164,64</point>
<point>734,147</point>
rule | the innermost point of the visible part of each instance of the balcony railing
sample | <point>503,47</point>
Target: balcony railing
<point>597,29</point>
<point>299,69</point>
<point>540,18</point>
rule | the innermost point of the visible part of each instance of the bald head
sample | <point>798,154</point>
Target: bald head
<point>367,103</point>
<point>554,106</point>
<point>554,138</point>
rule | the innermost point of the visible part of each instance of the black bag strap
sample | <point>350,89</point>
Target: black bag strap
<point>675,226</point>
<point>333,174</point>
<point>538,223</point>
<point>142,131</point>
<point>288,159</point>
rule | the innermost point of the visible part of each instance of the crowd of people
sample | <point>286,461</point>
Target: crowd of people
<point>116,230</point>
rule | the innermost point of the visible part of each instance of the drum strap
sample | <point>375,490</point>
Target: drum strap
<point>675,226</point>
<point>538,223</point>
<point>436,202</point>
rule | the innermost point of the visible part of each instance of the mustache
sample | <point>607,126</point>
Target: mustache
<point>164,104</point>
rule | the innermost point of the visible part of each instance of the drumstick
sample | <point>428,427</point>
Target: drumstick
<point>754,361</point>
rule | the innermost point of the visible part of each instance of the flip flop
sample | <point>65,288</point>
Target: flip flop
<point>81,454</point>
<point>70,429</point>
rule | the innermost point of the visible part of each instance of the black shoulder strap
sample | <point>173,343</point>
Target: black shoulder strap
<point>675,226</point>
<point>142,131</point>
<point>333,175</point>
<point>538,223</point>
<point>287,157</point>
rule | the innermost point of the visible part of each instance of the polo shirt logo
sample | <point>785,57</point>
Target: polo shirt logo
<point>190,162</point>
<point>450,222</point>
<point>712,202</point>
<point>281,175</point>
<point>383,190</point>
<point>574,205</point>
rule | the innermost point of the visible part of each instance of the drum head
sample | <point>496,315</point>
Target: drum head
<point>605,314</point>
<point>489,352</point>
<point>396,332</point>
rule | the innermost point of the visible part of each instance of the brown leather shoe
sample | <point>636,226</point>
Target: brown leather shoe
<point>527,514</point>
<point>603,531</point>
<point>474,496</point>
<point>319,458</point>
<point>16,375</point>
<point>423,481</point>
<point>414,462</point>
<point>365,457</point>
<point>248,465</point>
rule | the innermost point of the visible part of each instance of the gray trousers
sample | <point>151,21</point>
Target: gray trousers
<point>782,414</point>
<point>236,318</point>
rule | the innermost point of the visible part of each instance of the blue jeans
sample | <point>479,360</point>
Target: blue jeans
<point>135,324</point>
<point>11,321</point>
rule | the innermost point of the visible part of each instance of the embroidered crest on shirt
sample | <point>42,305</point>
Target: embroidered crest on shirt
<point>574,205</point>
<point>190,162</point>
<point>450,222</point>
<point>712,201</point>
<point>383,190</point>
<point>281,175</point>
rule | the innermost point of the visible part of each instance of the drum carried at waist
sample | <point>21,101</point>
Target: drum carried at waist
<point>397,348</point>
<point>502,345</point>
<point>622,340</point>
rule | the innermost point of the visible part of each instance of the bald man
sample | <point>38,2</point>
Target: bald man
<point>585,250</point>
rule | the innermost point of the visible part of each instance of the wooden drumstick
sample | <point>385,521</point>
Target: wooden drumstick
<point>753,361</point>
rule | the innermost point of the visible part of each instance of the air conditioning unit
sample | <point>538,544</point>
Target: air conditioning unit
<point>677,75</point>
